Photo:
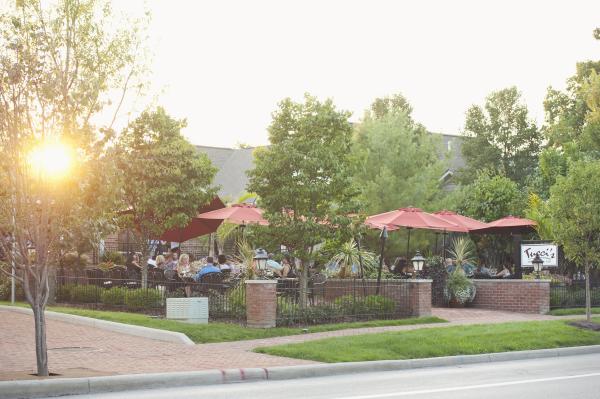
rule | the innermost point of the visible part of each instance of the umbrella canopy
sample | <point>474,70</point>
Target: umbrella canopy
<point>412,218</point>
<point>196,227</point>
<point>238,213</point>
<point>506,225</point>
<point>460,220</point>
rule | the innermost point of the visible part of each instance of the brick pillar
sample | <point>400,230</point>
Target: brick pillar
<point>419,297</point>
<point>261,303</point>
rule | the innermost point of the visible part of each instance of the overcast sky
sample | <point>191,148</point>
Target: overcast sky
<point>224,65</point>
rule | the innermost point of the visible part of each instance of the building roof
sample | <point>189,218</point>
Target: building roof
<point>234,163</point>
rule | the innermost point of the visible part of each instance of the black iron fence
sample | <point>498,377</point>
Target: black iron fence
<point>573,295</point>
<point>227,299</point>
<point>336,300</point>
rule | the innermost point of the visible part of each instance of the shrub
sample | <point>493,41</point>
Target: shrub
<point>85,294</point>
<point>144,298</point>
<point>371,305</point>
<point>74,262</point>
<point>114,296</point>
<point>459,288</point>
<point>63,292</point>
<point>290,313</point>
<point>113,257</point>
<point>231,304</point>
<point>5,289</point>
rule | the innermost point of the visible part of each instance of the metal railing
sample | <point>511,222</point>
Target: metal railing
<point>573,295</point>
<point>227,299</point>
<point>333,301</point>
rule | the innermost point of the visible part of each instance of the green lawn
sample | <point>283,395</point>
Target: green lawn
<point>222,332</point>
<point>435,342</point>
<point>571,311</point>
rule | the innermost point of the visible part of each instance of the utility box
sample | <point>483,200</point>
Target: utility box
<point>188,310</point>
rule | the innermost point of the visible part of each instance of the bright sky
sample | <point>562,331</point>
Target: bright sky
<point>224,65</point>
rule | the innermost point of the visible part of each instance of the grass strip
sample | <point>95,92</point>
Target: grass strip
<point>571,311</point>
<point>225,332</point>
<point>436,342</point>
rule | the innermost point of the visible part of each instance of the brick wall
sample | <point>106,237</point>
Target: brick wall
<point>261,303</point>
<point>524,296</point>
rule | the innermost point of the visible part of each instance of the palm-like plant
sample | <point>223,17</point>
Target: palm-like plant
<point>462,251</point>
<point>245,256</point>
<point>350,255</point>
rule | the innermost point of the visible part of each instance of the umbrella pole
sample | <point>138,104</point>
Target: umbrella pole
<point>408,244</point>
<point>444,245</point>
<point>383,237</point>
<point>436,242</point>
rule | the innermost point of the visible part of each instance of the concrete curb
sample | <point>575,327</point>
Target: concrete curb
<point>138,331</point>
<point>91,385</point>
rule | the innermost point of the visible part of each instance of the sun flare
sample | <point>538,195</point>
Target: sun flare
<point>50,160</point>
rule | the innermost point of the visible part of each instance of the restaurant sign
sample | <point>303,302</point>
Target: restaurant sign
<point>548,252</point>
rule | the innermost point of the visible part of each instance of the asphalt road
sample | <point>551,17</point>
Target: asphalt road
<point>567,377</point>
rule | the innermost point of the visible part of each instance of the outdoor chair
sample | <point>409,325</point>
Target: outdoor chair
<point>208,282</point>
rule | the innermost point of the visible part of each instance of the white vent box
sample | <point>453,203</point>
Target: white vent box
<point>189,310</point>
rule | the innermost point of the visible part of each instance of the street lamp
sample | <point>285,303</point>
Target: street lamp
<point>537,263</point>
<point>418,261</point>
<point>260,259</point>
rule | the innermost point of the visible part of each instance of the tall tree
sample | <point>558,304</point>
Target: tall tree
<point>501,138</point>
<point>166,179</point>
<point>575,210</point>
<point>383,106</point>
<point>303,179</point>
<point>59,64</point>
<point>398,162</point>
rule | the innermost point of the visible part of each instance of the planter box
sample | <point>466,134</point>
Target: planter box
<point>189,310</point>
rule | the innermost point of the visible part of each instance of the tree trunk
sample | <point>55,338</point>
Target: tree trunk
<point>41,350</point>
<point>303,284</point>
<point>588,301</point>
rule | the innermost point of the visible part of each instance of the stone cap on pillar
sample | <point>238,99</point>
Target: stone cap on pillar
<point>261,281</point>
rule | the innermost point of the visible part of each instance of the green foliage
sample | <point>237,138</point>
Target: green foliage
<point>231,304</point>
<point>397,163</point>
<point>63,292</point>
<point>370,306</point>
<point>394,104</point>
<point>492,197</point>
<point>303,179</point>
<point>85,294</point>
<point>575,212</point>
<point>460,288</point>
<point>462,251</point>
<point>501,138</point>
<point>5,287</point>
<point>348,255</point>
<point>114,257</point>
<point>539,211</point>
<point>568,297</point>
<point>142,298</point>
<point>114,296</point>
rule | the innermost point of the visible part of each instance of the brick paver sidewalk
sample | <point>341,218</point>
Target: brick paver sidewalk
<point>104,352</point>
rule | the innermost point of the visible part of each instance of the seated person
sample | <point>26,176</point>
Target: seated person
<point>483,272</point>
<point>160,262</point>
<point>398,266</point>
<point>170,262</point>
<point>504,273</point>
<point>183,266</point>
<point>223,264</point>
<point>277,268</point>
<point>208,268</point>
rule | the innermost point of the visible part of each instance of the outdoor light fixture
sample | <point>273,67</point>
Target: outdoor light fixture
<point>537,263</point>
<point>418,261</point>
<point>260,258</point>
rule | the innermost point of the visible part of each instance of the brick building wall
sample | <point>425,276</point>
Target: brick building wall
<point>524,296</point>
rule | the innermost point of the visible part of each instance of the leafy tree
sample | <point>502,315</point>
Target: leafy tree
<point>398,163</point>
<point>303,179</point>
<point>59,64</point>
<point>166,179</point>
<point>575,210</point>
<point>383,106</point>
<point>501,138</point>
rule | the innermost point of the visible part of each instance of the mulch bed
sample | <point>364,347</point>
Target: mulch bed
<point>588,325</point>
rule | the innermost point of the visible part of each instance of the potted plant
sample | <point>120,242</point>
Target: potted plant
<point>460,290</point>
<point>345,263</point>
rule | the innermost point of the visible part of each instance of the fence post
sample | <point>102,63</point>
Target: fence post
<point>261,303</point>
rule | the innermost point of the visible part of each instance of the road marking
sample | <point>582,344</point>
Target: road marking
<point>470,387</point>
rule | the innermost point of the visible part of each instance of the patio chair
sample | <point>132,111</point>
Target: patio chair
<point>208,282</point>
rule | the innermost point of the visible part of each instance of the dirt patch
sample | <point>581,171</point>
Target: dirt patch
<point>67,373</point>
<point>588,325</point>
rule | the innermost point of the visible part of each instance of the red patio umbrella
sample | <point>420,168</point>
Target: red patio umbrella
<point>463,221</point>
<point>411,218</point>
<point>238,213</point>
<point>507,225</point>
<point>196,227</point>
